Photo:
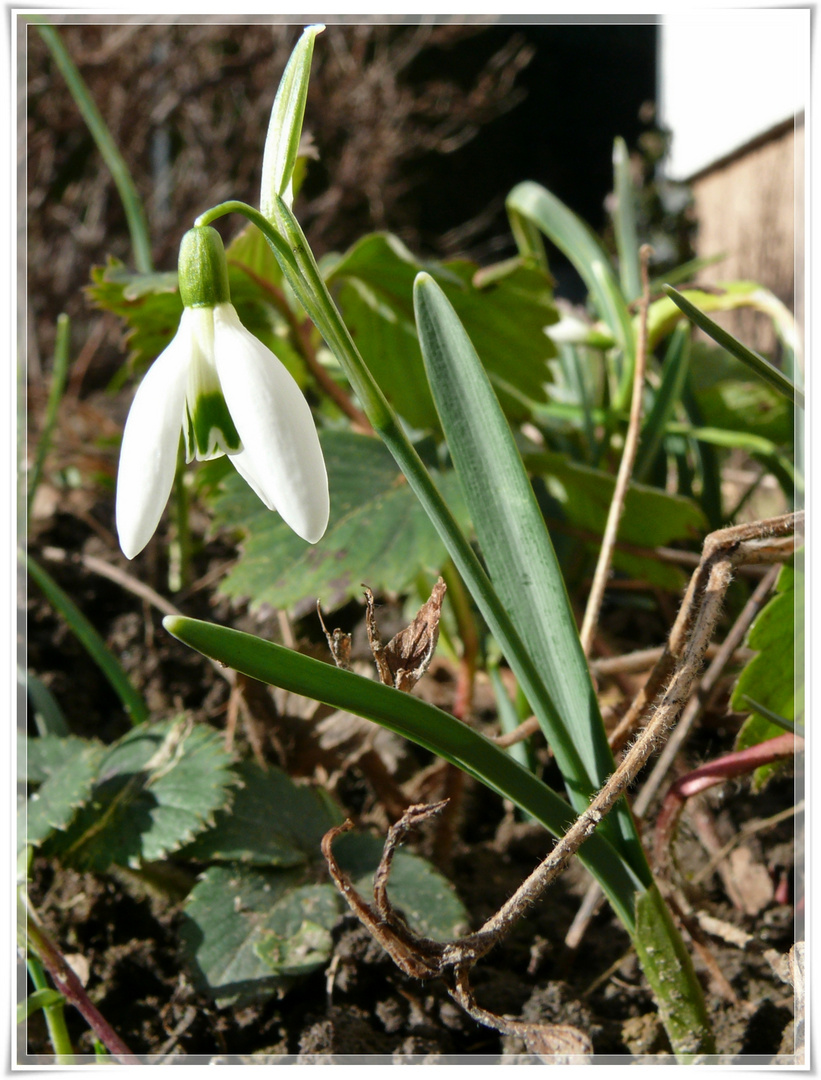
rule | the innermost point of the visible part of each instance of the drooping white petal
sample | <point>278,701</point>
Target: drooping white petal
<point>281,458</point>
<point>148,455</point>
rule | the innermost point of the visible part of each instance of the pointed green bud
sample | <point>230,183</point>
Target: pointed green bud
<point>285,126</point>
<point>203,269</point>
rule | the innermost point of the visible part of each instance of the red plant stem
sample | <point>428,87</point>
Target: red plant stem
<point>739,763</point>
<point>72,989</point>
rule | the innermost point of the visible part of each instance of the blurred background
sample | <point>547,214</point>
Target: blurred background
<point>421,130</point>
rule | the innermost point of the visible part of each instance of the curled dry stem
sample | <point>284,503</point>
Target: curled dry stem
<point>760,542</point>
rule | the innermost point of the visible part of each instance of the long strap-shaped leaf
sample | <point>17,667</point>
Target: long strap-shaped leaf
<point>534,204</point>
<point>418,721</point>
<point>516,546</point>
<point>752,359</point>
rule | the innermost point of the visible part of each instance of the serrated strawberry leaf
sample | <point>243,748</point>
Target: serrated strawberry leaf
<point>272,821</point>
<point>236,917</point>
<point>769,678</point>
<point>378,532</point>
<point>156,789</point>
<point>69,768</point>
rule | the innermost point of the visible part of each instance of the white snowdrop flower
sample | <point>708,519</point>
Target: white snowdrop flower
<point>228,394</point>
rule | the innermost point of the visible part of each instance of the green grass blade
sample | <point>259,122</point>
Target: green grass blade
<point>55,394</point>
<point>707,458</point>
<point>669,970</point>
<point>570,234</point>
<point>48,716</point>
<point>674,377</point>
<point>518,551</point>
<point>509,719</point>
<point>624,222</point>
<point>685,272</point>
<point>40,999</point>
<point>416,720</point>
<point>91,642</point>
<point>511,532</point>
<point>774,718</point>
<point>132,204</point>
<point>53,1009</point>
<point>733,346</point>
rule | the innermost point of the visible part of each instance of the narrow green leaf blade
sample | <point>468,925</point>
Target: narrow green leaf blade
<point>753,360</point>
<point>513,537</point>
<point>416,720</point>
<point>519,555</point>
<point>669,970</point>
<point>48,716</point>
<point>624,222</point>
<point>537,205</point>
<point>40,999</point>
<point>91,642</point>
<point>673,380</point>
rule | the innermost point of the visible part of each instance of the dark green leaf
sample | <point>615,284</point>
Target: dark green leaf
<point>38,758</point>
<point>651,518</point>
<point>246,933</point>
<point>272,821</point>
<point>507,311</point>
<point>378,532</point>
<point>157,788</point>
<point>237,919</point>
<point>770,677</point>
<point>295,952</point>
<point>66,787</point>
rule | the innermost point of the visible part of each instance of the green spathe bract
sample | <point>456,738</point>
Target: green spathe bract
<point>285,126</point>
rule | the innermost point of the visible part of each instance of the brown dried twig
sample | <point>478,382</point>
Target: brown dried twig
<point>760,542</point>
<point>672,654</point>
<point>631,442</point>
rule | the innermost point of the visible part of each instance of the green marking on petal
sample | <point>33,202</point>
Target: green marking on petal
<point>209,429</point>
